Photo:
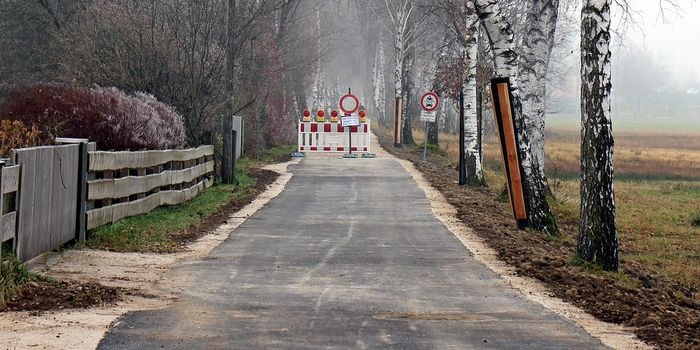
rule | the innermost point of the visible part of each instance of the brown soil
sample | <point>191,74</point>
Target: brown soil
<point>662,312</point>
<point>48,295</point>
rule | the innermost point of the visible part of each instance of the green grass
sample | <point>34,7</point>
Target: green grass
<point>272,155</point>
<point>13,274</point>
<point>156,231</point>
<point>654,221</point>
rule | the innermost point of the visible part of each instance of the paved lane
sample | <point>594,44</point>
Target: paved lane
<point>348,256</point>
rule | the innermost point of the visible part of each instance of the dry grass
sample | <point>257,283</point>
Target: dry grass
<point>657,193</point>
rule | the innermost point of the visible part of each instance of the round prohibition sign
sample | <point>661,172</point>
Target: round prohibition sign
<point>349,104</point>
<point>429,101</point>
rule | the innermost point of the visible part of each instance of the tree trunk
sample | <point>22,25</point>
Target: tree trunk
<point>317,93</point>
<point>475,173</point>
<point>597,241</point>
<point>540,25</point>
<point>407,132</point>
<point>378,85</point>
<point>500,37</point>
<point>398,79</point>
<point>227,172</point>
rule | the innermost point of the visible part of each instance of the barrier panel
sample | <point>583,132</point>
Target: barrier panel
<point>333,137</point>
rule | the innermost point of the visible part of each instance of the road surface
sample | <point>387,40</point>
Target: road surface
<point>348,256</point>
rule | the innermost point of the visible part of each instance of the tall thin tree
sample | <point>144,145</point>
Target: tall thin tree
<point>597,241</point>
<point>227,175</point>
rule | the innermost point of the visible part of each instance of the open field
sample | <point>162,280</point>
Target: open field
<point>657,193</point>
<point>623,123</point>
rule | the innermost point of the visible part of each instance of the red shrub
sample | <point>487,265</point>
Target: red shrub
<point>107,116</point>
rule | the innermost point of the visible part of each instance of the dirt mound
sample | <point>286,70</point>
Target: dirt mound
<point>47,295</point>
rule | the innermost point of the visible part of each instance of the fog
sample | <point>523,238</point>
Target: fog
<point>672,39</point>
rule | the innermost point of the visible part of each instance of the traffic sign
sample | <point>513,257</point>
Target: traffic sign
<point>428,117</point>
<point>350,120</point>
<point>349,104</point>
<point>429,101</point>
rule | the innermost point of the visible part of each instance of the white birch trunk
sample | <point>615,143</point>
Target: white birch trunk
<point>382,84</point>
<point>537,47</point>
<point>378,84</point>
<point>597,241</point>
<point>471,131</point>
<point>500,37</point>
<point>317,89</point>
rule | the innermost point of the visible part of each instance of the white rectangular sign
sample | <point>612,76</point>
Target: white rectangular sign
<point>428,116</point>
<point>350,120</point>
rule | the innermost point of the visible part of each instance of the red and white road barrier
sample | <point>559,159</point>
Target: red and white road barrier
<point>332,137</point>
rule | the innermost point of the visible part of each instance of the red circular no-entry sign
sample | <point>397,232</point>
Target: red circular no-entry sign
<point>349,104</point>
<point>429,101</point>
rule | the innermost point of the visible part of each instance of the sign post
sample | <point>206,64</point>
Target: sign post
<point>429,102</point>
<point>349,104</point>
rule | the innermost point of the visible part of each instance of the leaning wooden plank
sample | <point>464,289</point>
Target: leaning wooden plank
<point>127,186</point>
<point>99,160</point>
<point>8,226</point>
<point>10,179</point>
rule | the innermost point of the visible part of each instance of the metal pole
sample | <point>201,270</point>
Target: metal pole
<point>350,138</point>
<point>425,143</point>
<point>462,164</point>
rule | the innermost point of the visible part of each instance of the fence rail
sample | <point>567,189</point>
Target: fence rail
<point>9,185</point>
<point>123,184</point>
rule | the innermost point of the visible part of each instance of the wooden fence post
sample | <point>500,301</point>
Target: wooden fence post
<point>2,234</point>
<point>227,152</point>
<point>80,223</point>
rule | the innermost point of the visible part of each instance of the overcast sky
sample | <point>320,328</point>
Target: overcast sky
<point>677,42</point>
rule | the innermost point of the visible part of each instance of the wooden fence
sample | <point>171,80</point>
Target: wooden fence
<point>52,195</point>
<point>122,184</point>
<point>48,198</point>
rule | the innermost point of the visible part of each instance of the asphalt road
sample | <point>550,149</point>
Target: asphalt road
<point>348,256</point>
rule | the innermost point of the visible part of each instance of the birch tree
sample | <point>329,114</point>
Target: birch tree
<point>399,14</point>
<point>501,38</point>
<point>379,84</point>
<point>471,131</point>
<point>316,90</point>
<point>597,241</point>
<point>537,44</point>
